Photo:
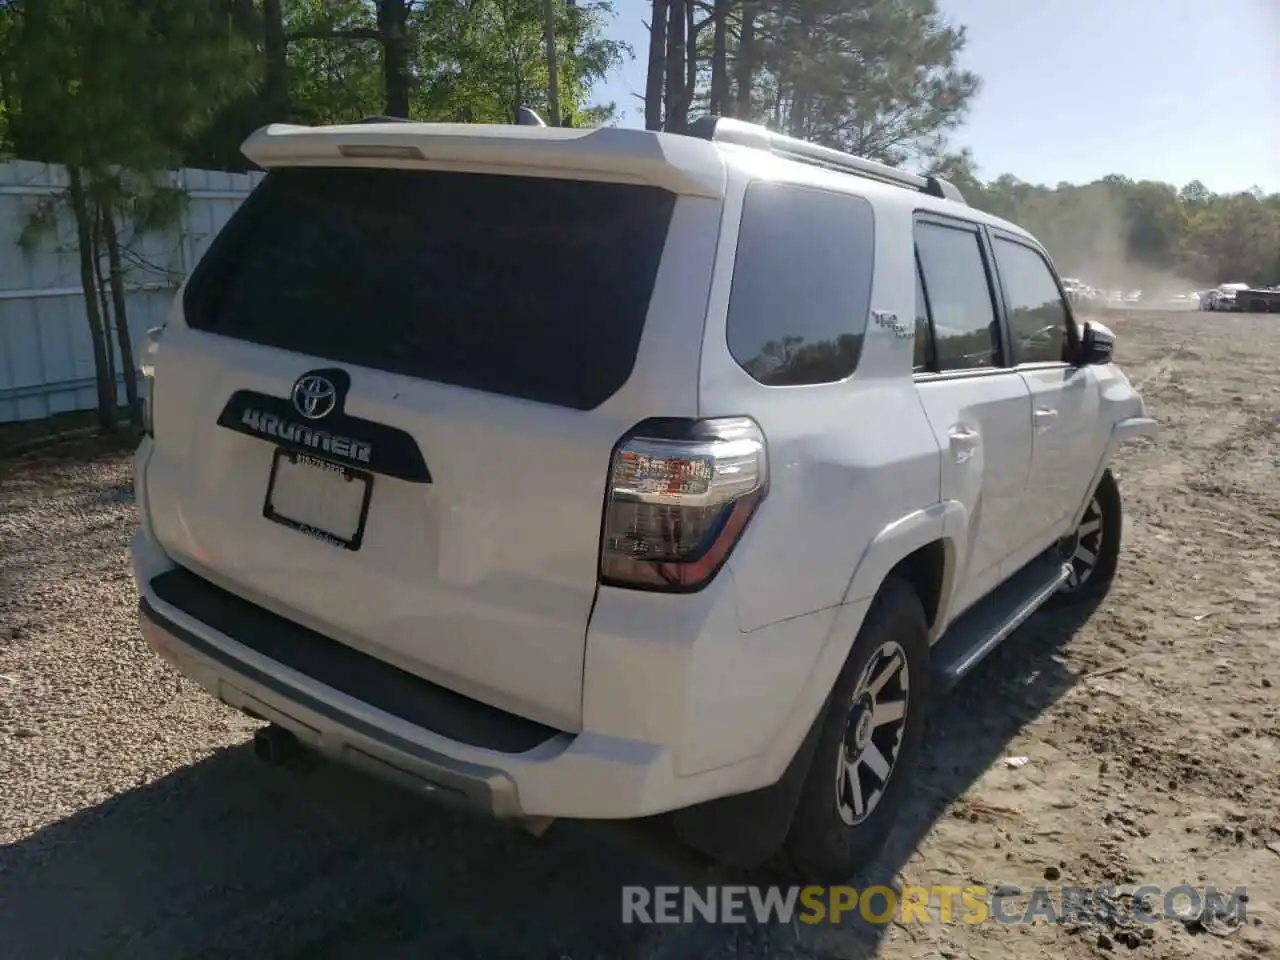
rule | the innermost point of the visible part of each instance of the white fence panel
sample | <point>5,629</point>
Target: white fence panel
<point>46,354</point>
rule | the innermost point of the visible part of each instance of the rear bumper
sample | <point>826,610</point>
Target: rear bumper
<point>324,726</point>
<point>565,775</point>
<point>582,775</point>
<point>588,775</point>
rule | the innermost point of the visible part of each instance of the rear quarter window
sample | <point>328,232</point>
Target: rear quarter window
<point>530,287</point>
<point>801,288</point>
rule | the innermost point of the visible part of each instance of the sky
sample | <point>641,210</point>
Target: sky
<point>1170,90</point>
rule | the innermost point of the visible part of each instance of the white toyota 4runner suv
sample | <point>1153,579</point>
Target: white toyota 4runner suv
<point>608,473</point>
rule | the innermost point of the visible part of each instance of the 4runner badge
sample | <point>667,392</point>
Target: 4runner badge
<point>889,320</point>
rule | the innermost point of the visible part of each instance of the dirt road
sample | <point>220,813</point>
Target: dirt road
<point>136,822</point>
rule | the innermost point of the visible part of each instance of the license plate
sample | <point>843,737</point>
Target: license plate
<point>324,500</point>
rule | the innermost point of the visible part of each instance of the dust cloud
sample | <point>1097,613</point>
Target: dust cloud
<point>1087,236</point>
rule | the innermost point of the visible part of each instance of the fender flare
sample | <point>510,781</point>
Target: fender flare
<point>1130,428</point>
<point>946,520</point>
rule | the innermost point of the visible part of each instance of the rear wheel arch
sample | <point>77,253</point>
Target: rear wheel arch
<point>902,538</point>
<point>930,571</point>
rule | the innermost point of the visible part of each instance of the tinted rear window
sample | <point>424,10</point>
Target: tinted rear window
<point>531,287</point>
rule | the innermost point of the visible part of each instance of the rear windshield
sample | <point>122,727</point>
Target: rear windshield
<point>530,287</point>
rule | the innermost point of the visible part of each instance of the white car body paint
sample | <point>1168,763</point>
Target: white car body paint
<point>484,582</point>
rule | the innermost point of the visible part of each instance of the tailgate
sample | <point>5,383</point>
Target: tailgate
<point>387,403</point>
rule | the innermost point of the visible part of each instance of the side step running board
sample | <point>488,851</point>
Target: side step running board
<point>979,630</point>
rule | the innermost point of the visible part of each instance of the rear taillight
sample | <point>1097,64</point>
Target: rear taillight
<point>680,495</point>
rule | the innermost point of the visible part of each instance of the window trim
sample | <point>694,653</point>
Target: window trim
<point>998,292</point>
<point>976,373</point>
<point>1073,335</point>
<point>931,364</point>
<point>945,221</point>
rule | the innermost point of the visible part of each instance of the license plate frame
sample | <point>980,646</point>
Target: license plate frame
<point>350,474</point>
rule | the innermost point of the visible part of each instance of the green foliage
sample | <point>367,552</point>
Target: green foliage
<point>472,61</point>
<point>1118,231</point>
<point>92,83</point>
<point>150,84</point>
<point>332,81</point>
<point>8,31</point>
<point>151,206</point>
<point>116,88</point>
<point>878,78</point>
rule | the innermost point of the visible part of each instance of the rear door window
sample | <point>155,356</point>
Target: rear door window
<point>961,311</point>
<point>801,284</point>
<point>530,287</point>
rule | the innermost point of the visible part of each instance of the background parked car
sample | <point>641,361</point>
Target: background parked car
<point>1224,297</point>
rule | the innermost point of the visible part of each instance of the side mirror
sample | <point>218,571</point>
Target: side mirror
<point>1097,345</point>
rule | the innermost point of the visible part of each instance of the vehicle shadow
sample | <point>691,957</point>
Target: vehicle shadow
<point>229,858</point>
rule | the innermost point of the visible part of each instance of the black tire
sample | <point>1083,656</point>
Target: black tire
<point>1093,576</point>
<point>821,846</point>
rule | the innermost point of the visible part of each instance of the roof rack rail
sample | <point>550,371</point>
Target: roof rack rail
<point>728,130</point>
<point>526,117</point>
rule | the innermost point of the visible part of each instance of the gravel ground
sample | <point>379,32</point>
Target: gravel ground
<point>136,822</point>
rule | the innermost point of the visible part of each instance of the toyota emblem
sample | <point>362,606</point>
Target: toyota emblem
<point>314,396</point>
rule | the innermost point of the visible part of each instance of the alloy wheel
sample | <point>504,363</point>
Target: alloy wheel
<point>874,724</point>
<point>1084,547</point>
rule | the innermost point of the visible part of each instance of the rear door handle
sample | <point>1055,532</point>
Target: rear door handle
<point>1044,417</point>
<point>964,441</point>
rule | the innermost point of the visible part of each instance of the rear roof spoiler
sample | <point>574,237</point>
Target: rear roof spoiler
<point>683,165</point>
